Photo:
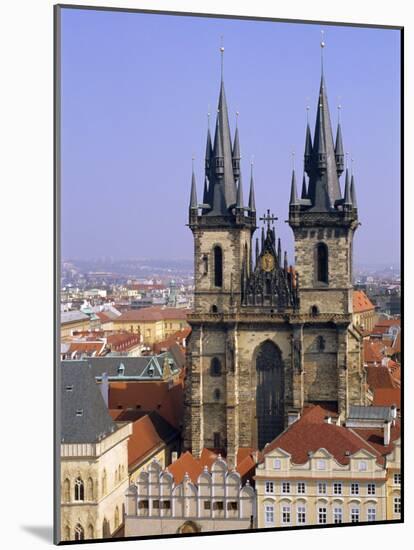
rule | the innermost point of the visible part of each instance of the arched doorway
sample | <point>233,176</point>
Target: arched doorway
<point>269,393</point>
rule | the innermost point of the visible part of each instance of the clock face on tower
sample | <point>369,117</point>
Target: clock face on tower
<point>268,262</point>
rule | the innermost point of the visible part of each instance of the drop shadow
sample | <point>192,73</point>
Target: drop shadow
<point>43,532</point>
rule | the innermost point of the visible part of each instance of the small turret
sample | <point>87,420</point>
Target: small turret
<point>304,194</point>
<point>239,203</point>
<point>308,150</point>
<point>293,192</point>
<point>193,194</point>
<point>347,191</point>
<point>252,201</point>
<point>339,151</point>
<point>353,193</point>
<point>236,154</point>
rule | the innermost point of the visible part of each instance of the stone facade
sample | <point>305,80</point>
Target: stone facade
<point>216,501</point>
<point>94,477</point>
<point>267,338</point>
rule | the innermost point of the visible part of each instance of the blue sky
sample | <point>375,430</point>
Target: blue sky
<point>136,89</point>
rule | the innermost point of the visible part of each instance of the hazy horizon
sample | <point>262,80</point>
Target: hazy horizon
<point>136,89</point>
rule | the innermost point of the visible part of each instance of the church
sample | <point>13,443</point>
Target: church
<point>268,338</point>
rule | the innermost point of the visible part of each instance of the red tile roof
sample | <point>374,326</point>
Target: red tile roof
<point>149,396</point>
<point>310,433</point>
<point>123,341</point>
<point>153,314</point>
<point>149,432</point>
<point>103,317</point>
<point>246,464</point>
<point>176,338</point>
<point>385,397</point>
<point>373,351</point>
<point>375,437</point>
<point>361,302</point>
<point>379,377</point>
<point>88,348</point>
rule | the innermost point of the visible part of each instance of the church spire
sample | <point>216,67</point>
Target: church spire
<point>347,192</point>
<point>353,192</point>
<point>293,191</point>
<point>304,194</point>
<point>324,188</point>
<point>209,150</point>
<point>236,151</point>
<point>339,148</point>
<point>193,194</point>
<point>223,188</point>
<point>308,150</point>
<point>252,201</point>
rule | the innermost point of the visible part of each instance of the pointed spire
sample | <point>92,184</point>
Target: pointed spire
<point>339,150</point>
<point>209,151</point>
<point>193,195</point>
<point>353,192</point>
<point>252,201</point>
<point>257,251</point>
<point>205,191</point>
<point>324,189</point>
<point>347,193</point>
<point>263,238</point>
<point>236,151</point>
<point>308,149</point>
<point>285,262</point>
<point>293,191</point>
<point>240,201</point>
<point>304,194</point>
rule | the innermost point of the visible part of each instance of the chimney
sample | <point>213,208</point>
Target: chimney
<point>104,387</point>
<point>393,414</point>
<point>328,419</point>
<point>387,432</point>
<point>174,456</point>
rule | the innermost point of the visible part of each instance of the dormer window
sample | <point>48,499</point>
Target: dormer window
<point>121,369</point>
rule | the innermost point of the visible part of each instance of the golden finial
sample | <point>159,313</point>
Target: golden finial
<point>322,47</point>
<point>222,56</point>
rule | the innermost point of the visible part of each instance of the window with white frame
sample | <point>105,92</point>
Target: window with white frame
<point>79,489</point>
<point>355,515</point>
<point>269,514</point>
<point>277,464</point>
<point>285,487</point>
<point>371,514</point>
<point>397,479</point>
<point>301,515</point>
<point>321,464</point>
<point>322,488</point>
<point>371,488</point>
<point>286,514</point>
<point>337,488</point>
<point>322,515</point>
<point>397,505</point>
<point>337,513</point>
<point>269,487</point>
<point>301,488</point>
<point>354,488</point>
<point>362,465</point>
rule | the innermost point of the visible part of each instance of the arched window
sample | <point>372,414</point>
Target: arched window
<point>205,265</point>
<point>90,489</point>
<point>79,490</point>
<point>90,531</point>
<point>104,483</point>
<point>116,517</point>
<point>214,309</point>
<point>216,395</point>
<point>314,311</point>
<point>218,266</point>
<point>106,530</point>
<point>322,263</point>
<point>79,532</point>
<point>66,490</point>
<point>215,367</point>
<point>320,343</point>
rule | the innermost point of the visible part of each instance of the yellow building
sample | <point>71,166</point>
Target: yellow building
<point>318,472</point>
<point>71,321</point>
<point>364,315</point>
<point>393,462</point>
<point>153,323</point>
<point>94,459</point>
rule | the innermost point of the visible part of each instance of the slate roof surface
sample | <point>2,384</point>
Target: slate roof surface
<point>72,316</point>
<point>84,416</point>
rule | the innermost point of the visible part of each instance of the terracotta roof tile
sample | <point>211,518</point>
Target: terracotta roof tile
<point>379,377</point>
<point>153,314</point>
<point>309,433</point>
<point>385,397</point>
<point>361,302</point>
